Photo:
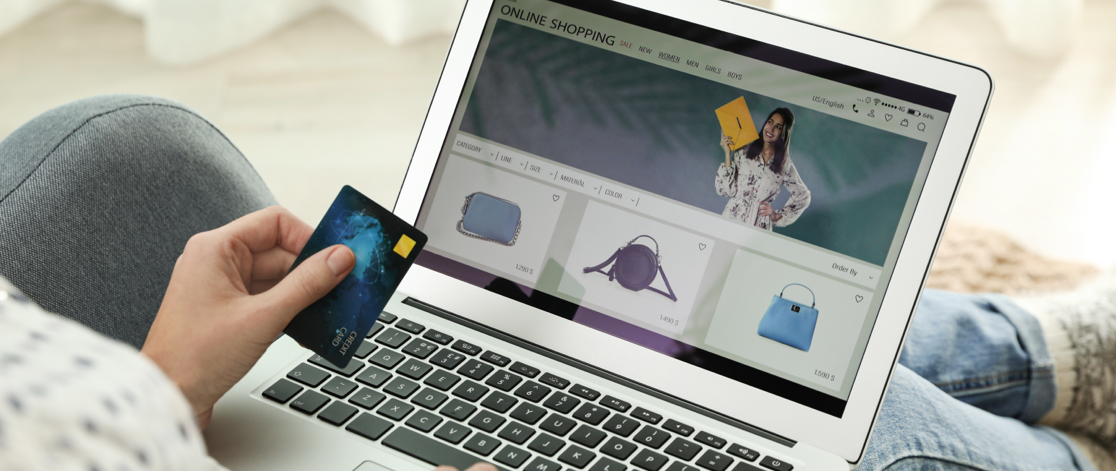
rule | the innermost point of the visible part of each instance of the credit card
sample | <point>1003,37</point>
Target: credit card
<point>385,248</point>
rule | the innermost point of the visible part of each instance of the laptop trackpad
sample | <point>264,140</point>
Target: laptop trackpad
<point>370,466</point>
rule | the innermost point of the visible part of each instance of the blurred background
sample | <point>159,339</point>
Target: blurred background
<point>322,93</point>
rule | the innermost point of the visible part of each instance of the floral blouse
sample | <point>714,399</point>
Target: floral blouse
<point>750,182</point>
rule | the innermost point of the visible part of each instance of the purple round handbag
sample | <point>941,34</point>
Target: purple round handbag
<point>636,267</point>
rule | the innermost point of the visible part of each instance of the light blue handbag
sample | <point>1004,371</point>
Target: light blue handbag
<point>790,322</point>
<point>487,217</point>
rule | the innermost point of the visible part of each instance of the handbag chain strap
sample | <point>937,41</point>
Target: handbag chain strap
<point>813,299</point>
<point>461,227</point>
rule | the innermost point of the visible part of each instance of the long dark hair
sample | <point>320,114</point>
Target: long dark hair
<point>781,145</point>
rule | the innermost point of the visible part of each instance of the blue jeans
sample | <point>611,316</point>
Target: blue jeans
<point>98,197</point>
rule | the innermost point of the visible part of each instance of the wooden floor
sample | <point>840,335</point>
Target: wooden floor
<point>323,103</point>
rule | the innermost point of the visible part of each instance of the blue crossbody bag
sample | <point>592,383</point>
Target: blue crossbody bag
<point>487,217</point>
<point>790,322</point>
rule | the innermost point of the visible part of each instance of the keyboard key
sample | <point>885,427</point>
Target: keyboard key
<point>683,449</point>
<point>618,448</point>
<point>309,402</point>
<point>475,370</point>
<point>551,380</point>
<point>706,439</point>
<point>364,349</point>
<point>678,427</point>
<point>516,432</point>
<point>511,456</point>
<point>442,379</point>
<point>546,444</point>
<point>482,444</point>
<point>337,413</point>
<point>651,437</point>
<point>427,449</point>
<point>369,426</point>
<point>615,404</point>
<point>532,391</point>
<point>646,415</point>
<point>649,460</point>
<point>387,317</point>
<point>401,388</point>
<point>458,410</point>
<point>420,348</point>
<point>562,402</point>
<point>584,392</point>
<point>620,425</point>
<point>746,454</point>
<point>495,358</point>
<point>367,398</point>
<point>487,421</point>
<point>577,456</point>
<point>353,366</point>
<point>373,376</point>
<point>414,369</point>
<point>439,337</point>
<point>605,464</point>
<point>528,413</point>
<point>775,464</point>
<point>504,380</point>
<point>557,424</point>
<point>453,432</point>
<point>392,338</point>
<point>499,402</point>
<point>542,464</point>
<point>714,461</point>
<point>470,391</point>
<point>429,398</point>
<point>524,369</point>
<point>424,421</point>
<point>387,358</point>
<point>587,436</point>
<point>376,328</point>
<point>308,375</point>
<point>282,391</point>
<point>590,413</point>
<point>339,387</point>
<point>395,409</point>
<point>680,466</point>
<point>465,347</point>
<point>447,359</point>
<point>409,326</point>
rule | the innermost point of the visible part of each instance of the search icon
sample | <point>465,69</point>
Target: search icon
<point>922,127</point>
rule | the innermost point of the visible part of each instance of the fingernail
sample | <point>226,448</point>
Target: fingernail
<point>340,261</point>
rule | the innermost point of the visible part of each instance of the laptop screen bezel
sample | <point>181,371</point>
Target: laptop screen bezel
<point>846,436</point>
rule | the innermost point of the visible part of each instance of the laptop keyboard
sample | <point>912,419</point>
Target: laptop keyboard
<point>447,401</point>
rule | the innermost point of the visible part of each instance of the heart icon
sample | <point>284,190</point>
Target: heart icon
<point>859,298</point>
<point>701,246</point>
<point>887,117</point>
<point>555,197</point>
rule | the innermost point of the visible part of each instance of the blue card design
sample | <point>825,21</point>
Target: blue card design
<point>385,247</point>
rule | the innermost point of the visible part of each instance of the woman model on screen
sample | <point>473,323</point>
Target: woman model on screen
<point>753,176</point>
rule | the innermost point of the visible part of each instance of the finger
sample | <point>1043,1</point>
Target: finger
<point>445,468</point>
<point>272,264</point>
<point>269,227</point>
<point>481,467</point>
<point>260,286</point>
<point>313,278</point>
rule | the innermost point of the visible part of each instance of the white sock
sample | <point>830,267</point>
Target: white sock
<point>1080,331</point>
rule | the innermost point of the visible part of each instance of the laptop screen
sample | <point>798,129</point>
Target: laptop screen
<point>723,201</point>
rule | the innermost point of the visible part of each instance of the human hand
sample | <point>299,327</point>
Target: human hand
<point>765,210</point>
<point>726,143</point>
<point>475,467</point>
<point>230,296</point>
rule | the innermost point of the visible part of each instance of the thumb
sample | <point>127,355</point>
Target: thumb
<point>311,280</point>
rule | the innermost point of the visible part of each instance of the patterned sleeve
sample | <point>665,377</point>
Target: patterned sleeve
<point>726,178</point>
<point>72,399</point>
<point>799,199</point>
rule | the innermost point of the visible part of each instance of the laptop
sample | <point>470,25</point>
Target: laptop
<point>611,284</point>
